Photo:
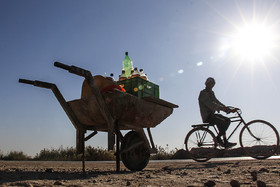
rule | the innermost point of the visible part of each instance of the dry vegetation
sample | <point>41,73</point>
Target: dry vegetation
<point>69,154</point>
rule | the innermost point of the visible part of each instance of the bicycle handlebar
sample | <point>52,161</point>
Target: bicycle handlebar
<point>234,110</point>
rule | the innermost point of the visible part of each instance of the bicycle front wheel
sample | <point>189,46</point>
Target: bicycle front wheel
<point>201,144</point>
<point>259,139</point>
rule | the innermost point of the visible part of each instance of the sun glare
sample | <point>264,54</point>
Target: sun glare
<point>253,42</point>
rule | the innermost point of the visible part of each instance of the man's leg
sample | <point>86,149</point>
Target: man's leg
<point>222,123</point>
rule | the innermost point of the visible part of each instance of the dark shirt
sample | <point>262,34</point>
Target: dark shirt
<point>208,104</point>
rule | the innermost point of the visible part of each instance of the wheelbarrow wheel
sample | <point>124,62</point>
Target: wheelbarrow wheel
<point>135,153</point>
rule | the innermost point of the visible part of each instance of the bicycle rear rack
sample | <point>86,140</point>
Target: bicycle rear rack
<point>203,125</point>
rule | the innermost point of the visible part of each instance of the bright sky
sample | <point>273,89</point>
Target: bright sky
<point>178,43</point>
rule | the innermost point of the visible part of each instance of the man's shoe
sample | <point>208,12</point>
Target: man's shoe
<point>220,142</point>
<point>230,144</point>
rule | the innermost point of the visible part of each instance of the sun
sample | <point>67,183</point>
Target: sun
<point>253,42</point>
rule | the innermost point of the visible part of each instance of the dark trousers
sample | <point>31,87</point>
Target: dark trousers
<point>221,121</point>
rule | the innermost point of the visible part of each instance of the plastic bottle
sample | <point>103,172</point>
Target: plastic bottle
<point>143,75</point>
<point>135,73</point>
<point>112,76</point>
<point>131,72</point>
<point>127,65</point>
<point>122,76</point>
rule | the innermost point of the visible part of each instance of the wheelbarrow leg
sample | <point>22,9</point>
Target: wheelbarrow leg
<point>153,149</point>
<point>117,146</point>
<point>84,160</point>
<point>80,146</point>
<point>81,139</point>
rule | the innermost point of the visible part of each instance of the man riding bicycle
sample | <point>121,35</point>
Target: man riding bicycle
<point>209,104</point>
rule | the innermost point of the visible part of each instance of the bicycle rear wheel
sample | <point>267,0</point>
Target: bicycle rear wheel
<point>201,144</point>
<point>259,139</point>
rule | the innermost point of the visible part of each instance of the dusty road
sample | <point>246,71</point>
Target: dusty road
<point>171,173</point>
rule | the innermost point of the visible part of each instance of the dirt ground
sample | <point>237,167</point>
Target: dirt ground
<point>171,173</point>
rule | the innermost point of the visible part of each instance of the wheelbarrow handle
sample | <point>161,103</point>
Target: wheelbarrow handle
<point>74,69</point>
<point>61,65</point>
<point>26,81</point>
<point>38,83</point>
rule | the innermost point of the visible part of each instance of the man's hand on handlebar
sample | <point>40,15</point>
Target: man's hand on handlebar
<point>228,110</point>
<point>234,110</point>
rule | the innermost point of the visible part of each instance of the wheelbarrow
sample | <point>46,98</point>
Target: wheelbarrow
<point>112,112</point>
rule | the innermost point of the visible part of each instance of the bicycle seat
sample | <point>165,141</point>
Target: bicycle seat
<point>203,125</point>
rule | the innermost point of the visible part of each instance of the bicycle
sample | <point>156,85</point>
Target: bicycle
<point>258,138</point>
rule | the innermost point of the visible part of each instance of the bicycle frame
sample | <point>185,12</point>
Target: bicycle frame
<point>239,119</point>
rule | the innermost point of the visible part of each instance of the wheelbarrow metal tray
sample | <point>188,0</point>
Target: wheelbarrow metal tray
<point>131,112</point>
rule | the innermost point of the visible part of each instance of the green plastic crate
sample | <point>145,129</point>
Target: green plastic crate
<point>140,87</point>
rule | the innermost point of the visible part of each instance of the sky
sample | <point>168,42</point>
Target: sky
<point>178,43</point>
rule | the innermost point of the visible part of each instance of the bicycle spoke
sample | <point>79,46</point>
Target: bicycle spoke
<point>259,139</point>
<point>200,144</point>
<point>198,138</point>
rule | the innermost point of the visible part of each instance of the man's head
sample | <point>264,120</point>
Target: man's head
<point>210,82</point>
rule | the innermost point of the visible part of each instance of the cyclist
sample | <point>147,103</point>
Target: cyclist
<point>209,105</point>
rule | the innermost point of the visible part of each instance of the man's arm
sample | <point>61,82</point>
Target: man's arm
<point>217,101</point>
<point>223,107</point>
<point>204,98</point>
